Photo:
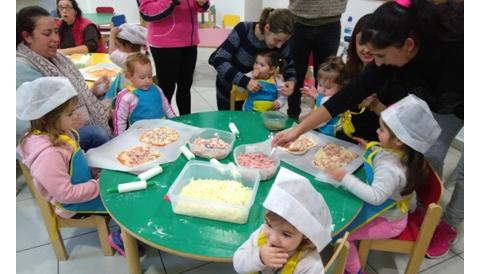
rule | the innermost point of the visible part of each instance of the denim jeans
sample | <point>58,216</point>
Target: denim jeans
<point>92,136</point>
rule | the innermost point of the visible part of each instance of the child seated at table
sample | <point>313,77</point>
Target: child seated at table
<point>331,77</point>
<point>297,227</point>
<point>264,94</point>
<point>50,148</point>
<point>145,101</point>
<point>393,167</point>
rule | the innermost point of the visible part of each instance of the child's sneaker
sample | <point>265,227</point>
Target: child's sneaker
<point>116,242</point>
<point>444,236</point>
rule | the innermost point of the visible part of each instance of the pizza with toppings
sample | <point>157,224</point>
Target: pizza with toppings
<point>137,155</point>
<point>333,155</point>
<point>300,146</point>
<point>161,136</point>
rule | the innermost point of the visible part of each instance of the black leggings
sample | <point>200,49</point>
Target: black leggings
<point>323,41</point>
<point>175,66</point>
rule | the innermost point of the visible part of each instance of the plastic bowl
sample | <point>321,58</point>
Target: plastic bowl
<point>274,120</point>
<point>207,208</point>
<point>266,173</point>
<point>217,153</point>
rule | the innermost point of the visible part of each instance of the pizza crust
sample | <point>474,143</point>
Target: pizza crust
<point>299,146</point>
<point>333,155</point>
<point>137,155</point>
<point>161,136</point>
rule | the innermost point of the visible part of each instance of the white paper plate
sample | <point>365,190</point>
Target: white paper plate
<point>87,72</point>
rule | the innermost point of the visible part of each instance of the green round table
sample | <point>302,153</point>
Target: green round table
<point>148,217</point>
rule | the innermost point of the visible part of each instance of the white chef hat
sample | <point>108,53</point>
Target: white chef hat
<point>133,33</point>
<point>293,197</point>
<point>39,97</point>
<point>411,120</point>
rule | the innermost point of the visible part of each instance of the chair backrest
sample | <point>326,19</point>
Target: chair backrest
<point>431,190</point>
<point>105,10</point>
<point>235,96</point>
<point>230,20</point>
<point>336,264</point>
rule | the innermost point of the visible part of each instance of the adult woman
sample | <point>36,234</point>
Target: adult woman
<point>235,57</point>
<point>37,56</point>
<point>77,34</point>
<point>172,34</point>
<point>420,44</point>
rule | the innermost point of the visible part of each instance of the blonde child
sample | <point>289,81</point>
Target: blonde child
<point>297,227</point>
<point>267,96</point>
<point>50,148</point>
<point>394,167</point>
<point>124,40</point>
<point>145,101</point>
<point>331,77</point>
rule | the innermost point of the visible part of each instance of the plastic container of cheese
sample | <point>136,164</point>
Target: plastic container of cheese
<point>222,196</point>
<point>214,151</point>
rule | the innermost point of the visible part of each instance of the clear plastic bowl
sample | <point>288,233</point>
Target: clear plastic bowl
<point>206,208</point>
<point>274,120</point>
<point>217,153</point>
<point>264,148</point>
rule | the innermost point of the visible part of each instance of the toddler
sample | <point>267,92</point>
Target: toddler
<point>145,101</point>
<point>50,148</point>
<point>297,227</point>
<point>394,166</point>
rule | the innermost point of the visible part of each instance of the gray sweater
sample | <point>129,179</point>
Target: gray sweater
<point>317,12</point>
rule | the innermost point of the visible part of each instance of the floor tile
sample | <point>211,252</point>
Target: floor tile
<point>31,231</point>
<point>461,255</point>
<point>458,247</point>
<point>39,260</point>
<point>385,262</point>
<point>24,193</point>
<point>453,265</point>
<point>208,94</point>
<point>176,264</point>
<point>224,268</point>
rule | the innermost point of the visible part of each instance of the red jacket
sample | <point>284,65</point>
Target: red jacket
<point>78,28</point>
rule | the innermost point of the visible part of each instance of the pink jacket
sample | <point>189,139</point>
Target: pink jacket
<point>49,167</point>
<point>171,23</point>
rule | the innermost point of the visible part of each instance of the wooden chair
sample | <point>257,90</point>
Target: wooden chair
<point>230,20</point>
<point>53,222</point>
<point>336,264</point>
<point>413,240</point>
<point>235,96</point>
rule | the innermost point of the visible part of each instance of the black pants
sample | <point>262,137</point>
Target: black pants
<point>323,41</point>
<point>175,66</point>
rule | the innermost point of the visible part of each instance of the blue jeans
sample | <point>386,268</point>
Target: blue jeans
<point>92,136</point>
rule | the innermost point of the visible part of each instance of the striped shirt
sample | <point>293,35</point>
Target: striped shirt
<point>236,55</point>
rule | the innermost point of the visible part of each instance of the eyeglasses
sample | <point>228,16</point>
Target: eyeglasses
<point>65,8</point>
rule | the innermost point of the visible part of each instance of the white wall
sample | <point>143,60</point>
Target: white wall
<point>46,4</point>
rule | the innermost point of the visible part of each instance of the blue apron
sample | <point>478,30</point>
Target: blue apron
<point>262,100</point>
<point>330,128</point>
<point>79,174</point>
<point>149,105</point>
<point>369,211</point>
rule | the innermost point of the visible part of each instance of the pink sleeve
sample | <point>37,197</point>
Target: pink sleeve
<point>51,170</point>
<point>154,7</point>
<point>167,108</point>
<point>126,102</point>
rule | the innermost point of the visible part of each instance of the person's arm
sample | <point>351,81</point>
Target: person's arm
<point>112,39</point>
<point>247,257</point>
<point>289,73</point>
<point>153,10</point>
<point>125,101</point>
<point>222,61</point>
<point>51,170</point>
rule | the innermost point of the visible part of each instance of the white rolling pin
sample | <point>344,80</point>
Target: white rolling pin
<point>150,173</point>
<point>233,129</point>
<point>187,153</point>
<point>133,186</point>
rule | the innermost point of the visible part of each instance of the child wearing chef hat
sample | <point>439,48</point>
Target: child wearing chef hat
<point>50,148</point>
<point>394,166</point>
<point>297,227</point>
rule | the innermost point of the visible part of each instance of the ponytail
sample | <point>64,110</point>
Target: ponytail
<point>392,23</point>
<point>279,20</point>
<point>417,169</point>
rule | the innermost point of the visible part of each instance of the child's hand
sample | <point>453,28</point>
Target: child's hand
<point>287,88</point>
<point>114,31</point>
<point>273,256</point>
<point>276,105</point>
<point>255,74</point>
<point>100,87</point>
<point>336,173</point>
<point>309,91</point>
<point>361,142</point>
<point>253,85</point>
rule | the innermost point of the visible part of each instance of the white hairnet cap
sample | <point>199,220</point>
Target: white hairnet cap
<point>133,33</point>
<point>39,97</point>
<point>411,120</point>
<point>293,197</point>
